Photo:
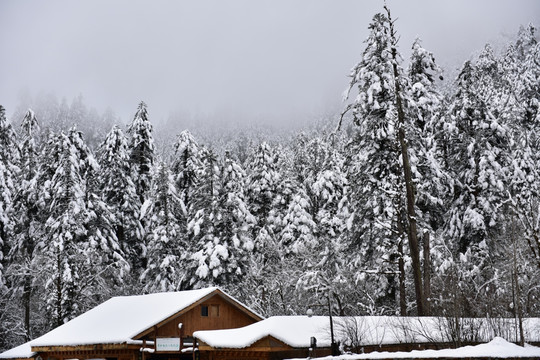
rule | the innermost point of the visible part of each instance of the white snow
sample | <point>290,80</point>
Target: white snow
<point>497,348</point>
<point>121,318</point>
<point>115,321</point>
<point>23,351</point>
<point>295,331</point>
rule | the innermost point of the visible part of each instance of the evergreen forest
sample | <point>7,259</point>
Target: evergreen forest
<point>421,197</point>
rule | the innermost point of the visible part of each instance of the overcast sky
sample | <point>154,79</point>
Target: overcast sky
<point>276,59</point>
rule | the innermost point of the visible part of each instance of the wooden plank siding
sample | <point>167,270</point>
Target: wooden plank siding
<point>230,316</point>
<point>250,354</point>
<point>223,313</point>
<point>77,353</point>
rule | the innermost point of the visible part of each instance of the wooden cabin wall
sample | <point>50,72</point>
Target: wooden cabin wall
<point>229,317</point>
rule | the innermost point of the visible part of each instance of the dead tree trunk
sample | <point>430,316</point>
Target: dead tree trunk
<point>427,274</point>
<point>402,292</point>
<point>407,173</point>
<point>401,268</point>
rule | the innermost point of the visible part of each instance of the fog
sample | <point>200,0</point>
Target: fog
<point>277,61</point>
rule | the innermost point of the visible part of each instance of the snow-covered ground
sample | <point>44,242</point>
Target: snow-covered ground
<point>296,331</point>
<point>497,348</point>
<point>125,316</point>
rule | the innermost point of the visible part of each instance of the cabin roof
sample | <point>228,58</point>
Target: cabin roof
<point>120,320</point>
<point>23,351</point>
<point>295,331</point>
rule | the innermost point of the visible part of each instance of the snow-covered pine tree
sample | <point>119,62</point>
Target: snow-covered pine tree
<point>187,167</point>
<point>433,184</point>
<point>101,246</point>
<point>79,238</point>
<point>118,191</point>
<point>61,254</point>
<point>521,76</point>
<point>27,222</point>
<point>167,244</point>
<point>236,220</point>
<point>325,265</point>
<point>208,252</point>
<point>298,232</point>
<point>384,204</point>
<point>8,171</point>
<point>480,164</point>
<point>221,223</point>
<point>141,147</point>
<point>262,183</point>
<point>329,189</point>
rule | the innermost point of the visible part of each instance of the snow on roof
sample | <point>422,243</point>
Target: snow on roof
<point>118,319</point>
<point>497,348</point>
<point>23,351</point>
<point>295,331</point>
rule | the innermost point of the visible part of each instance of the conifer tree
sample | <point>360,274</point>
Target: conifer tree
<point>60,248</point>
<point>167,246</point>
<point>187,167</point>
<point>383,167</point>
<point>221,224</point>
<point>28,226</point>
<point>521,76</point>
<point>79,238</point>
<point>263,179</point>
<point>481,161</point>
<point>118,191</point>
<point>141,147</point>
<point>8,171</point>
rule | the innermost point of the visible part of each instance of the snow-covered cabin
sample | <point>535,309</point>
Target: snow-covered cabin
<point>154,326</point>
<point>286,337</point>
<point>278,337</point>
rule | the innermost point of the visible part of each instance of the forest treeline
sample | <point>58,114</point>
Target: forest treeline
<point>426,201</point>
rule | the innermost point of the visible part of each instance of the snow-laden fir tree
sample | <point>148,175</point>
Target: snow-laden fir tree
<point>521,66</point>
<point>220,228</point>
<point>479,161</point>
<point>103,248</point>
<point>79,248</point>
<point>236,220</point>
<point>27,222</point>
<point>329,189</point>
<point>431,179</point>
<point>187,166</point>
<point>118,191</point>
<point>262,183</point>
<point>167,244</point>
<point>262,180</point>
<point>383,200</point>
<point>325,265</point>
<point>299,229</point>
<point>433,185</point>
<point>8,171</point>
<point>61,255</point>
<point>268,194</point>
<point>480,164</point>
<point>141,147</point>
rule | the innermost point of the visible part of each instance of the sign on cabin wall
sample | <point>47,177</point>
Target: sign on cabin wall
<point>168,344</point>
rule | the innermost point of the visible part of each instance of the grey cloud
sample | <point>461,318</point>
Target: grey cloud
<point>273,59</point>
